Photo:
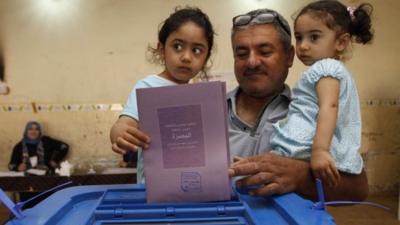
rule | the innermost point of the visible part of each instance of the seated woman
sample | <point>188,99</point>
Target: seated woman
<point>37,151</point>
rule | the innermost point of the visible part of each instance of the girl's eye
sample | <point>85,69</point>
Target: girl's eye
<point>314,37</point>
<point>298,37</point>
<point>178,46</point>
<point>197,51</point>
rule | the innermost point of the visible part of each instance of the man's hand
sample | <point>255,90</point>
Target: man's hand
<point>272,174</point>
<point>277,175</point>
<point>126,136</point>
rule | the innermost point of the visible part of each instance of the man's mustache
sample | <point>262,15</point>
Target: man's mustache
<point>252,71</point>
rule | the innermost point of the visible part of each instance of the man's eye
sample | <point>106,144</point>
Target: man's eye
<point>241,53</point>
<point>265,53</point>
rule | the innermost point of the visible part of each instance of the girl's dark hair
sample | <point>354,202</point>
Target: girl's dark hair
<point>176,19</point>
<point>356,22</point>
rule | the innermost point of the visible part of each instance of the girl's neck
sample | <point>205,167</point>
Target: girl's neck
<point>166,75</point>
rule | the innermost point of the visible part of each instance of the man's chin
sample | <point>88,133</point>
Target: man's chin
<point>255,92</point>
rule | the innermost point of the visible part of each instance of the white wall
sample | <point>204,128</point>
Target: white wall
<point>93,51</point>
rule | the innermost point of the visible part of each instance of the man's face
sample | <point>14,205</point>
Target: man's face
<point>261,63</point>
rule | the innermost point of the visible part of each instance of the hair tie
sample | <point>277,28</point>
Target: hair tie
<point>351,10</point>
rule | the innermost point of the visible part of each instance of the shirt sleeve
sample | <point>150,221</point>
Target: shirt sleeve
<point>130,108</point>
<point>326,68</point>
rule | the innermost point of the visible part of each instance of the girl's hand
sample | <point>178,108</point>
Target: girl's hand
<point>126,136</point>
<point>323,167</point>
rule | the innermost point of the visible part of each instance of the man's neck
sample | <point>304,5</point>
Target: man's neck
<point>248,107</point>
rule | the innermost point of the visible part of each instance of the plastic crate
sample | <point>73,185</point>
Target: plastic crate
<point>126,205</point>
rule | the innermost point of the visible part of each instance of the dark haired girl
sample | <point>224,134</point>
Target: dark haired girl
<point>324,122</point>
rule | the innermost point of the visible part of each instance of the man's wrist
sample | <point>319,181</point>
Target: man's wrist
<point>305,180</point>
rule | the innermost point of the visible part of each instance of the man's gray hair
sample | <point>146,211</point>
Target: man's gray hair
<point>284,36</point>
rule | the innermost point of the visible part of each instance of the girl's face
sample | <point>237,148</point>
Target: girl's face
<point>33,132</point>
<point>315,41</point>
<point>185,53</point>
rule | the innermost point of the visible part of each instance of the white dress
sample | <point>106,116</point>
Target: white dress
<point>293,136</point>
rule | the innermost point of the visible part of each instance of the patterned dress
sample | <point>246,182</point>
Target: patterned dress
<point>293,136</point>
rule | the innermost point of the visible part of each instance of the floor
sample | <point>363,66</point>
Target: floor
<point>368,215</point>
<point>344,215</point>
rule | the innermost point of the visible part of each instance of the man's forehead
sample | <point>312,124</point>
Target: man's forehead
<point>256,34</point>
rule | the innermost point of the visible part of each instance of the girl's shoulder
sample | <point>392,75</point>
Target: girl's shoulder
<point>153,81</point>
<point>328,64</point>
<point>327,67</point>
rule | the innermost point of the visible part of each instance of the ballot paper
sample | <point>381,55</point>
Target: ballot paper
<point>188,157</point>
<point>37,172</point>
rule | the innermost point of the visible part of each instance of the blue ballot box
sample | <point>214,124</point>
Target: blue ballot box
<point>126,205</point>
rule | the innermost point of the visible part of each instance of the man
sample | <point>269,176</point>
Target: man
<point>263,54</point>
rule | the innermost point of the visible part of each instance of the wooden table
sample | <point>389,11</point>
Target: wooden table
<point>43,183</point>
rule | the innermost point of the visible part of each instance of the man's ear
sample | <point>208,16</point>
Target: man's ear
<point>342,42</point>
<point>290,56</point>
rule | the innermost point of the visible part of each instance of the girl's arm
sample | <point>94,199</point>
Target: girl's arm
<point>126,135</point>
<point>327,89</point>
<point>328,94</point>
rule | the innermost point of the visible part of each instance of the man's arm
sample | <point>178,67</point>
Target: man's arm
<point>278,175</point>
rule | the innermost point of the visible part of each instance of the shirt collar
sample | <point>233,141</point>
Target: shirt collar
<point>231,97</point>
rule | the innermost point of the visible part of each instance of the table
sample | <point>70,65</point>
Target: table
<point>43,183</point>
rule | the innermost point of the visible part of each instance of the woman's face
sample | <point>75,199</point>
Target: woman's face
<point>33,132</point>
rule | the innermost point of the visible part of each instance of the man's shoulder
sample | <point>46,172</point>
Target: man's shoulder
<point>231,94</point>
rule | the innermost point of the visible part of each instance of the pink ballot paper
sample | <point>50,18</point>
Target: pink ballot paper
<point>188,157</point>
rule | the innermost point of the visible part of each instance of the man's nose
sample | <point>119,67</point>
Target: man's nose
<point>253,60</point>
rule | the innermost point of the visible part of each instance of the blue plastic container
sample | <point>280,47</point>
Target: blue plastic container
<point>126,205</point>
